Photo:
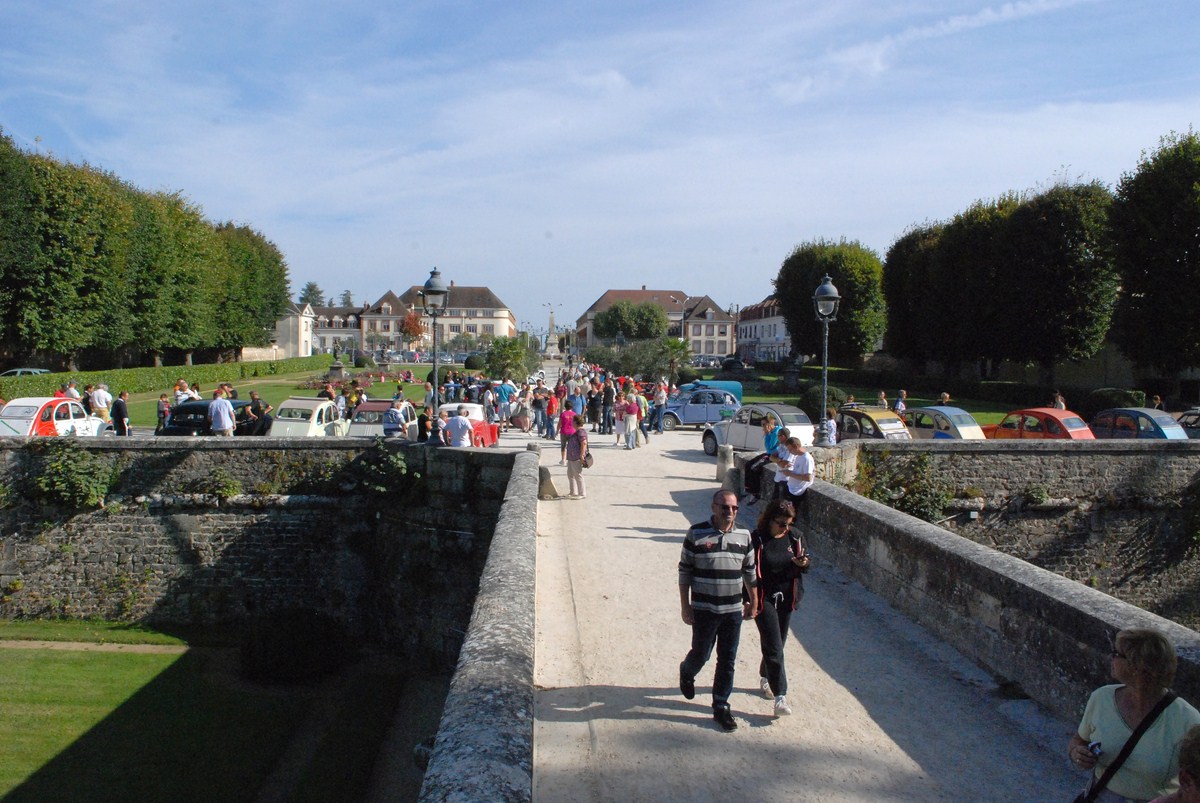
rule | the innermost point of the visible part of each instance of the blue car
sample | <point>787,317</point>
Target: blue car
<point>699,407</point>
<point>1141,423</point>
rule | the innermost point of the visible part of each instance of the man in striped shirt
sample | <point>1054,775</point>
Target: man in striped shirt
<point>716,563</point>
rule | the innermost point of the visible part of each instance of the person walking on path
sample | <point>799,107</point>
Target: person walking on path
<point>576,451</point>
<point>715,564</point>
<point>781,560</point>
<point>799,471</point>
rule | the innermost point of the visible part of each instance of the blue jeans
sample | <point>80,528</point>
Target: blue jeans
<point>539,420</point>
<point>606,420</point>
<point>723,629</point>
<point>550,426</point>
<point>656,418</point>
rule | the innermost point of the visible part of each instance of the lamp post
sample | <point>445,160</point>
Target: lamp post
<point>825,303</point>
<point>434,296</point>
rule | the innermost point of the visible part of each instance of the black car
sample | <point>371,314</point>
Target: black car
<point>191,418</point>
<point>733,364</point>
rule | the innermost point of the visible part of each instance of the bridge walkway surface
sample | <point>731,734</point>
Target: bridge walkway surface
<point>882,709</point>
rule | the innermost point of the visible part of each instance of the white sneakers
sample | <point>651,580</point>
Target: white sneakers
<point>765,685</point>
<point>782,709</point>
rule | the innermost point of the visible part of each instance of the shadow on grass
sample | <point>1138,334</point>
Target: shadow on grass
<point>196,732</point>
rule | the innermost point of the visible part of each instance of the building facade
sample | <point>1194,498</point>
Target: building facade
<point>472,311</point>
<point>707,328</point>
<point>762,333</point>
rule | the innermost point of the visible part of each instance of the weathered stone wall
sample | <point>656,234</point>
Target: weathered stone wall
<point>1122,517</point>
<point>161,552</point>
<point>1031,627</point>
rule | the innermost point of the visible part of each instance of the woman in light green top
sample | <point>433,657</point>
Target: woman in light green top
<point>1143,662</point>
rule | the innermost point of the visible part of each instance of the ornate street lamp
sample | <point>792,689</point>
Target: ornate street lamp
<point>825,303</point>
<point>434,296</point>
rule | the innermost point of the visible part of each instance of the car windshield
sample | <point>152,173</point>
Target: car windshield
<point>295,413</point>
<point>1074,422</point>
<point>368,416</point>
<point>794,418</point>
<point>189,418</point>
<point>18,411</point>
<point>963,420</point>
<point>890,423</point>
<point>1189,420</point>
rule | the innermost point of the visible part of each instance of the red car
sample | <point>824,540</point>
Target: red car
<point>485,434</point>
<point>1040,423</point>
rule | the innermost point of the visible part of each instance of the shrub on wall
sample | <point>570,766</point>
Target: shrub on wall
<point>903,482</point>
<point>71,476</point>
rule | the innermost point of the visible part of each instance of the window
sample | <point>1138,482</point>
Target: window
<point>489,329</point>
<point>721,331</point>
<point>472,328</point>
<point>710,330</point>
<point>456,328</point>
<point>472,313</point>
<point>385,326</point>
<point>696,330</point>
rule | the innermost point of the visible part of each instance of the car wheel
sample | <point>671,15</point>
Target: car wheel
<point>710,444</point>
<point>670,422</point>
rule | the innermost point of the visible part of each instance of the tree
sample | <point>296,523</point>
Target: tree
<point>1058,248</point>
<point>649,321</point>
<point>1155,225</point>
<point>508,357</point>
<point>675,353</point>
<point>412,327</point>
<point>312,294</point>
<point>347,299</point>
<point>907,282</point>
<point>857,273</point>
<point>620,317</point>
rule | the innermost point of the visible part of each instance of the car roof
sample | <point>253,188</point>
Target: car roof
<point>40,400</point>
<point>375,404</point>
<point>1149,412</point>
<point>305,402</point>
<point>775,407</point>
<point>940,408</point>
<point>205,403</point>
<point>875,414</point>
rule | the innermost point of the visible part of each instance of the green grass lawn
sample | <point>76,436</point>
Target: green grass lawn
<point>93,631</point>
<point>126,726</point>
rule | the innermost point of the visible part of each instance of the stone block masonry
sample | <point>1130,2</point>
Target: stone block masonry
<point>162,552</point>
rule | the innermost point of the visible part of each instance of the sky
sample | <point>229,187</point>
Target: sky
<point>552,151</point>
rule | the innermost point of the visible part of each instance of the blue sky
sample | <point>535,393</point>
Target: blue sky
<point>554,150</point>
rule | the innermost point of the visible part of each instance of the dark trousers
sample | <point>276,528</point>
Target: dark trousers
<point>723,629</point>
<point>606,422</point>
<point>772,625</point>
<point>753,473</point>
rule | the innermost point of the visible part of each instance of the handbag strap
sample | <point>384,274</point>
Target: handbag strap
<point>1130,743</point>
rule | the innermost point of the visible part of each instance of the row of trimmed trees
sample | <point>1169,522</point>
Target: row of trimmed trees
<point>1037,278</point>
<point>97,273</point>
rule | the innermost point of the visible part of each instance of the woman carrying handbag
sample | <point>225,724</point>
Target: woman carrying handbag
<point>577,453</point>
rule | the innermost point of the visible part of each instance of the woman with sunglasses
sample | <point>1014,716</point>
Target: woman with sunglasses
<point>781,559</point>
<point>1143,664</point>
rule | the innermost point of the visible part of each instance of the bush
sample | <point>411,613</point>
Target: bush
<point>810,401</point>
<point>364,361</point>
<point>294,646</point>
<point>71,475</point>
<point>687,374</point>
<point>1103,398</point>
<point>475,362</point>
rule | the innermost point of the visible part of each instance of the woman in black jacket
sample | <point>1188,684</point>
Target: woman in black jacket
<point>780,560</point>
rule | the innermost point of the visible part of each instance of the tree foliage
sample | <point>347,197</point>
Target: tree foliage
<point>857,273</point>
<point>1155,224</point>
<point>509,357</point>
<point>312,294</point>
<point>644,321</point>
<point>92,268</point>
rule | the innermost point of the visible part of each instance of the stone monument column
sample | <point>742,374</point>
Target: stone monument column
<point>551,352</point>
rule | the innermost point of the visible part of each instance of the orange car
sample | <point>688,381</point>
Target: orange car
<point>1040,423</point>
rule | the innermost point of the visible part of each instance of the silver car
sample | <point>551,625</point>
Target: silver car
<point>744,430</point>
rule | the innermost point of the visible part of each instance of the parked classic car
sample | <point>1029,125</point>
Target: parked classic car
<point>35,416</point>
<point>1190,421</point>
<point>308,417</point>
<point>941,422</point>
<point>699,407</point>
<point>191,418</point>
<point>1143,423</point>
<point>485,434</point>
<point>856,421</point>
<point>25,371</point>
<point>744,430</point>
<point>1040,423</point>
<point>367,420</point>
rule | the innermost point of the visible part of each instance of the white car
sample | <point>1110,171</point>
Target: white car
<point>34,416</point>
<point>308,417</point>
<point>367,420</point>
<point>744,430</point>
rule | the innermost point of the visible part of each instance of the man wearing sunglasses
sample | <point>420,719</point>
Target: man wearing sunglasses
<point>715,564</point>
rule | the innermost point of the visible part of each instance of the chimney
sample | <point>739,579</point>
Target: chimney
<point>451,282</point>
<point>643,287</point>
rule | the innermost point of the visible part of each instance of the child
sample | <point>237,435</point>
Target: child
<point>164,408</point>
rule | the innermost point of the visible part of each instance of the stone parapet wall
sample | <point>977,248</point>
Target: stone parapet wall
<point>1031,627</point>
<point>160,552</point>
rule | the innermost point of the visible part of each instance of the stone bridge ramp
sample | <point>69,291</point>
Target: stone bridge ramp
<point>883,711</point>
